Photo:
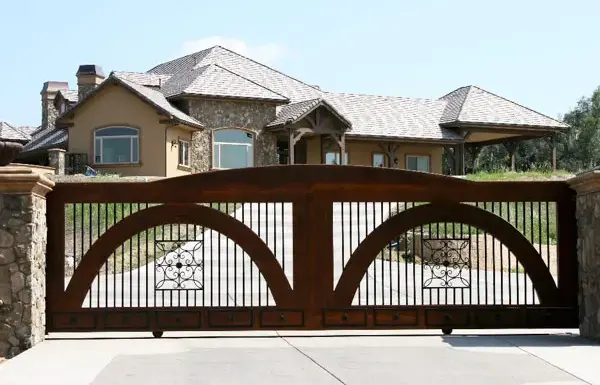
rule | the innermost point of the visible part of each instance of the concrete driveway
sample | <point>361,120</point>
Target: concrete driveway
<point>557,358</point>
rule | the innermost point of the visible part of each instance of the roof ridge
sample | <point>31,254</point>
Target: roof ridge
<point>454,90</point>
<point>518,104</point>
<point>382,96</point>
<point>271,68</point>
<point>179,58</point>
<point>462,105</point>
<point>251,81</point>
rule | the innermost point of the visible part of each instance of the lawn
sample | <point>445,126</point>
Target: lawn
<point>520,176</point>
<point>86,222</point>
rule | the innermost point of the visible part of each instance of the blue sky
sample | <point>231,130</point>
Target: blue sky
<point>543,54</point>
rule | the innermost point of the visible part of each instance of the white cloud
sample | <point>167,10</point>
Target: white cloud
<point>263,53</point>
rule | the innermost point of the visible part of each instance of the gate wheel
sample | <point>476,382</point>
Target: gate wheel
<point>157,334</point>
<point>447,331</point>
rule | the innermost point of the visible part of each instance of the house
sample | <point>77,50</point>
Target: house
<point>216,109</point>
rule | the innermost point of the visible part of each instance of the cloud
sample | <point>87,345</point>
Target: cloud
<point>264,53</point>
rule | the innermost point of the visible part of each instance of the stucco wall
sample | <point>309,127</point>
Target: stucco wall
<point>115,105</point>
<point>173,167</point>
<point>360,152</point>
<point>216,114</point>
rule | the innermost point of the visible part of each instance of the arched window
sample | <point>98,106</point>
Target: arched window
<point>113,145</point>
<point>233,148</point>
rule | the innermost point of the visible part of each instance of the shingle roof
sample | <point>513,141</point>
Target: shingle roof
<point>294,112</point>
<point>158,100</point>
<point>69,95</point>
<point>386,116</point>
<point>293,89</point>
<point>474,105</point>
<point>144,79</point>
<point>47,139</point>
<point>214,80</point>
<point>9,132</point>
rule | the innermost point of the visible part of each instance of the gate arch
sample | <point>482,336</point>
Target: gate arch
<point>167,214</point>
<point>516,242</point>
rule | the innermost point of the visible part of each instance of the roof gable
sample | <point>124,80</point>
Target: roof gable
<point>146,94</point>
<point>474,105</point>
<point>214,80</point>
<point>277,82</point>
<point>295,112</point>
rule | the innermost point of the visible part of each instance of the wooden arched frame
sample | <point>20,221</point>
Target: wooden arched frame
<point>231,128</point>
<point>167,214</point>
<point>402,222</point>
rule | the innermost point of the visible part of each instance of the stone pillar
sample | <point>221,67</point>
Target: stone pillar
<point>56,159</point>
<point>588,251</point>
<point>22,259</point>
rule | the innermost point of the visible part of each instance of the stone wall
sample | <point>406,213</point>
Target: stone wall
<point>588,252</point>
<point>56,159</point>
<point>223,114</point>
<point>22,260</point>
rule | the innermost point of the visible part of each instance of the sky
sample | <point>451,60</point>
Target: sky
<point>542,54</point>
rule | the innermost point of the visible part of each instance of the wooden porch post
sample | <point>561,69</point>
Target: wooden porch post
<point>343,149</point>
<point>553,144</point>
<point>291,144</point>
<point>390,152</point>
<point>459,159</point>
<point>511,147</point>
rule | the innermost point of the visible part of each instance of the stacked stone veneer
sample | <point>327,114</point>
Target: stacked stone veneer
<point>217,114</point>
<point>588,252</point>
<point>22,259</point>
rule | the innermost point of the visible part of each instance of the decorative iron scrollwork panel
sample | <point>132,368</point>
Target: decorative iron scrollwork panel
<point>179,266</point>
<point>446,263</point>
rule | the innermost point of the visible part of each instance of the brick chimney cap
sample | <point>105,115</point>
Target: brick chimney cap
<point>90,69</point>
<point>54,86</point>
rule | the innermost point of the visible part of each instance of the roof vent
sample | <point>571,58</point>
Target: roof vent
<point>316,86</point>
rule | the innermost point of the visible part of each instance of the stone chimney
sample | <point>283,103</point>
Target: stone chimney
<point>49,112</point>
<point>88,78</point>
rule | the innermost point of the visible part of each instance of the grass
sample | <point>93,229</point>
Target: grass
<point>519,176</point>
<point>535,220</point>
<point>86,222</point>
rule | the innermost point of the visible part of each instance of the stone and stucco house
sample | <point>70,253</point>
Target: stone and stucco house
<point>216,109</point>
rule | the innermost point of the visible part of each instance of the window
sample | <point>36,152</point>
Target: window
<point>334,158</point>
<point>417,163</point>
<point>184,152</point>
<point>378,159</point>
<point>233,148</point>
<point>63,107</point>
<point>115,145</point>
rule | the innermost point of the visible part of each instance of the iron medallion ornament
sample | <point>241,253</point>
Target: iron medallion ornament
<point>448,264</point>
<point>180,266</point>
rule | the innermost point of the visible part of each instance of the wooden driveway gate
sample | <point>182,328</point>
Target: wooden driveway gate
<point>310,247</point>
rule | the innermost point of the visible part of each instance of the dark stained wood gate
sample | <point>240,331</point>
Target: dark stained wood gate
<point>310,247</point>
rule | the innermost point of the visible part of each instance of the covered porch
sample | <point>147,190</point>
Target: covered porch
<point>310,132</point>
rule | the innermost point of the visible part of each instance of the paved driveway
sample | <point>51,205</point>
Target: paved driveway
<point>294,358</point>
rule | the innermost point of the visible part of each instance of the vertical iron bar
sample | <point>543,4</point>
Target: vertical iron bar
<point>227,243</point>
<point>517,261</point>
<point>235,246</point>
<point>219,263</point>
<point>251,263</point>
<point>259,273</point>
<point>485,263</point>
<point>509,261</point>
<point>414,258</point>
<point>525,233</point>
<point>343,237</point>
<point>533,243</point>
<point>390,257</point>
<point>107,260</point>
<point>367,233</point>
<point>130,267</point>
<point>243,262</point>
<point>90,229</point>
<point>267,242</point>
<point>548,237</point>
<point>494,259</point>
<point>283,238</point>
<point>114,260</point>
<point>358,243</point>
<point>501,263</point>
<point>478,267</point>
<point>147,283</point>
<point>374,264</point>
<point>422,272</point>
<point>405,262</point>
